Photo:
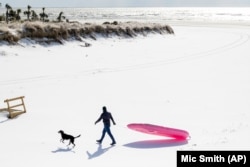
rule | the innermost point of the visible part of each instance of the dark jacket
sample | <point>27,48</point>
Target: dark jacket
<point>106,117</point>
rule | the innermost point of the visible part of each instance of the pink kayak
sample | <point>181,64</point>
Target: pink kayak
<point>159,130</point>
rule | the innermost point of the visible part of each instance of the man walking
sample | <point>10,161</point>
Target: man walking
<point>106,117</point>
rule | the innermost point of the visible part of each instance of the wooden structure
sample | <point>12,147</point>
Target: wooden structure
<point>15,106</point>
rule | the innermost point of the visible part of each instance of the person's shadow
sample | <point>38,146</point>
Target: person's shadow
<point>98,152</point>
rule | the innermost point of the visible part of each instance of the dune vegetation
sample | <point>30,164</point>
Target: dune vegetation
<point>39,28</point>
<point>60,31</point>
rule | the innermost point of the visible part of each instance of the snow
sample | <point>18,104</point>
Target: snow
<point>196,80</point>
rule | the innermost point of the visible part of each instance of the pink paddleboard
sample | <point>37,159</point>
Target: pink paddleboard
<point>159,130</point>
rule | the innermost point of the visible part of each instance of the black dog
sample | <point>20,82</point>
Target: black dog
<point>68,137</point>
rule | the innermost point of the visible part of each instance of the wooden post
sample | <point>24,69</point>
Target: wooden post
<point>24,108</point>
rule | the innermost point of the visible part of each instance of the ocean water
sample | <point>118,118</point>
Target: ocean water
<point>159,15</point>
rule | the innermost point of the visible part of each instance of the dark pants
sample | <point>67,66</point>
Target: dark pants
<point>107,129</point>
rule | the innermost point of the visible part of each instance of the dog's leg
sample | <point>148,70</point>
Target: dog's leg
<point>72,142</point>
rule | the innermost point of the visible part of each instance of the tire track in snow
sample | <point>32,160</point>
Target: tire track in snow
<point>241,40</point>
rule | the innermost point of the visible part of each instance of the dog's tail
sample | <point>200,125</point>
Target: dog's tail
<point>77,136</point>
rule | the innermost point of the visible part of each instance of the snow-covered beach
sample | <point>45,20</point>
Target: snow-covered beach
<point>197,80</point>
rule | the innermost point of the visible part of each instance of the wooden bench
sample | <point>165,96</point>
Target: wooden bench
<point>15,106</point>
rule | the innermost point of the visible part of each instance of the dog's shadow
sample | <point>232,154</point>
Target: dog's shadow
<point>98,152</point>
<point>58,150</point>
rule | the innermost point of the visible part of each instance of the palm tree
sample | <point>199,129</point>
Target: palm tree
<point>18,17</point>
<point>60,17</point>
<point>1,17</point>
<point>34,16</point>
<point>8,7</point>
<point>27,12</point>
<point>43,15</point>
<point>12,15</point>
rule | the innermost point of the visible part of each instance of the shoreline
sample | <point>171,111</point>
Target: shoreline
<point>222,24</point>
